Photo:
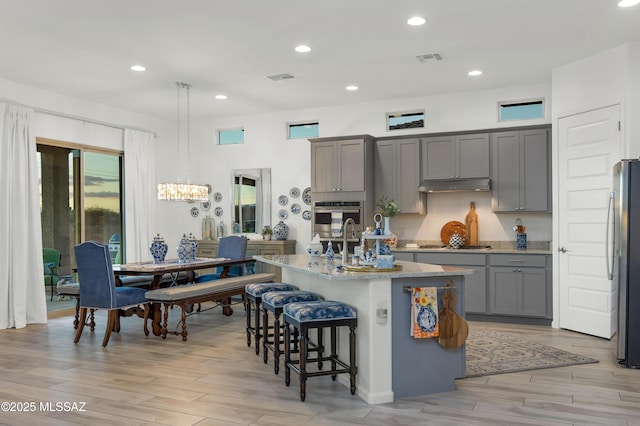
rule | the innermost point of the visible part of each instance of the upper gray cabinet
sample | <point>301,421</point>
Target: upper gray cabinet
<point>521,171</point>
<point>397,173</point>
<point>456,156</point>
<point>341,165</point>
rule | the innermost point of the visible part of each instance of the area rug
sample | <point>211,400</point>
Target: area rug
<point>490,352</point>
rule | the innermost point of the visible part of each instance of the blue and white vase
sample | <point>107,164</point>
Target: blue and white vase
<point>158,249</point>
<point>194,246</point>
<point>329,254</point>
<point>184,250</point>
<point>281,231</point>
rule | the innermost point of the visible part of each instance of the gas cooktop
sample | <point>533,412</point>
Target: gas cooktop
<point>481,247</point>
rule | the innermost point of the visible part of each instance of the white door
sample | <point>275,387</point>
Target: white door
<point>589,144</point>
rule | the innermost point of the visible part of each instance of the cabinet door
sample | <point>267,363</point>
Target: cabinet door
<point>437,157</point>
<point>351,160</point>
<point>505,194</point>
<point>472,156</point>
<point>533,298</point>
<point>408,176</point>
<point>535,177</point>
<point>475,287</point>
<point>323,167</point>
<point>385,176</point>
<point>504,291</point>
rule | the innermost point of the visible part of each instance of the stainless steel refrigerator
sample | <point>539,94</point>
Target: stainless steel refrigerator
<point>623,259</point>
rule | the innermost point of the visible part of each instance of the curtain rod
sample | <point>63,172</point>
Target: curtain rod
<point>77,117</point>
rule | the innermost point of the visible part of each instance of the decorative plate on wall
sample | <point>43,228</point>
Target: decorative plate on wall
<point>283,200</point>
<point>218,211</point>
<point>282,214</point>
<point>195,211</point>
<point>295,208</point>
<point>209,189</point>
<point>205,205</point>
<point>294,192</point>
<point>306,196</point>
<point>306,215</point>
<point>217,196</point>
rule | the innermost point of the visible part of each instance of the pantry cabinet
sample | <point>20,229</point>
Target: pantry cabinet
<point>456,156</point>
<point>521,171</point>
<point>397,173</point>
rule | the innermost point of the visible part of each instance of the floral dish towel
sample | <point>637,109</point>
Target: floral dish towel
<point>424,312</point>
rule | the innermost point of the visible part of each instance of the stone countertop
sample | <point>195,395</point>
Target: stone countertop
<point>470,251</point>
<point>320,268</point>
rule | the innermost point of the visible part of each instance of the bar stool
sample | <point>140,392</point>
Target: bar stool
<point>304,316</point>
<point>254,294</point>
<point>273,302</point>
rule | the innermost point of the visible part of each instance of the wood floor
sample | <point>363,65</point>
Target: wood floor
<point>215,379</point>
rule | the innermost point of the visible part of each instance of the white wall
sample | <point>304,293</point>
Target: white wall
<point>266,146</point>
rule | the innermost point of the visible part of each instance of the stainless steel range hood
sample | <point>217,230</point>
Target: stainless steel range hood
<point>455,185</point>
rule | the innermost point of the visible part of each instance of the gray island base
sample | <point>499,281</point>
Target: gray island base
<point>391,363</point>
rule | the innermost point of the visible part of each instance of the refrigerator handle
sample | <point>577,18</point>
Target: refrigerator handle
<point>606,241</point>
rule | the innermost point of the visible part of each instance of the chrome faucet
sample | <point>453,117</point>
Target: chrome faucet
<point>345,249</point>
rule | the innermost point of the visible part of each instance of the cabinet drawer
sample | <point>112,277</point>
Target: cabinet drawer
<point>532,260</point>
<point>403,255</point>
<point>450,258</point>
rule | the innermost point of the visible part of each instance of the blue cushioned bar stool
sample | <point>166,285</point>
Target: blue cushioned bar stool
<point>304,316</point>
<point>254,294</point>
<point>274,302</point>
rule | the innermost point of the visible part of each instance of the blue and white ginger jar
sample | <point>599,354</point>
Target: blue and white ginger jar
<point>184,250</point>
<point>281,231</point>
<point>194,246</point>
<point>158,249</point>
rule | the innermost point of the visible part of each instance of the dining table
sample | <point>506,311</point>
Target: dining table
<point>174,267</point>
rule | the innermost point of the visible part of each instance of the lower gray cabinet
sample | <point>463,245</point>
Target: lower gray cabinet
<point>520,285</point>
<point>475,285</point>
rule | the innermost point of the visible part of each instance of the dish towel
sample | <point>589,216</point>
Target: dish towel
<point>424,312</point>
<point>336,224</point>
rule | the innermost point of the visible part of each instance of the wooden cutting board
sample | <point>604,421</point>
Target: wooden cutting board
<point>449,229</point>
<point>472,226</point>
<point>454,329</point>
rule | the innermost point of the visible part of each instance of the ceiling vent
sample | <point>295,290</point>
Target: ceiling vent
<point>430,57</point>
<point>280,77</point>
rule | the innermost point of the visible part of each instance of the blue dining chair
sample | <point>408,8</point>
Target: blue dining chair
<point>232,247</point>
<point>98,289</point>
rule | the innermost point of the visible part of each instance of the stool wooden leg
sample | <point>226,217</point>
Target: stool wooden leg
<point>265,335</point>
<point>276,342</point>
<point>287,355</point>
<point>76,319</point>
<point>247,307</point>
<point>320,346</point>
<point>304,342</point>
<point>257,326</point>
<point>352,359</point>
<point>334,355</point>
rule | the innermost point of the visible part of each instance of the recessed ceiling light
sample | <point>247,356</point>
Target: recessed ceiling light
<point>303,49</point>
<point>628,3</point>
<point>351,88</point>
<point>474,73</point>
<point>416,21</point>
<point>221,96</point>
<point>138,68</point>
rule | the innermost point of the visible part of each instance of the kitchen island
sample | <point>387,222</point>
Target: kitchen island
<point>391,363</point>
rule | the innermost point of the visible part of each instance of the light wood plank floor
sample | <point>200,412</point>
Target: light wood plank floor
<point>215,379</point>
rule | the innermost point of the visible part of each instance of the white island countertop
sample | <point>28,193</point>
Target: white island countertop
<point>319,267</point>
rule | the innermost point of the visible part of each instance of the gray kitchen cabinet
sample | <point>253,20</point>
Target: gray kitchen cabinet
<point>400,255</point>
<point>520,175</point>
<point>520,285</point>
<point>475,285</point>
<point>456,156</point>
<point>397,166</point>
<point>339,165</point>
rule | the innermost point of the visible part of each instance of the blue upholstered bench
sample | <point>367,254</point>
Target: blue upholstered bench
<point>304,316</point>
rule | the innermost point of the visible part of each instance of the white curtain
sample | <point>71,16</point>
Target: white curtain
<point>140,193</point>
<point>22,290</point>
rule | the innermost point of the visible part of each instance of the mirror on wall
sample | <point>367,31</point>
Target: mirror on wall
<point>251,199</point>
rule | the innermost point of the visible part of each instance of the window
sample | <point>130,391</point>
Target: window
<point>303,130</point>
<point>405,120</point>
<point>525,110</point>
<point>80,199</point>
<point>231,136</point>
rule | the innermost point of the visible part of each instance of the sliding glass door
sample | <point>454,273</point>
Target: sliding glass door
<point>80,198</point>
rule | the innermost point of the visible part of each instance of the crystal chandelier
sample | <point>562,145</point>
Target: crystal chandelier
<point>183,191</point>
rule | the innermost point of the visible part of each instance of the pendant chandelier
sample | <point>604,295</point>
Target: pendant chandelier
<point>177,190</point>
